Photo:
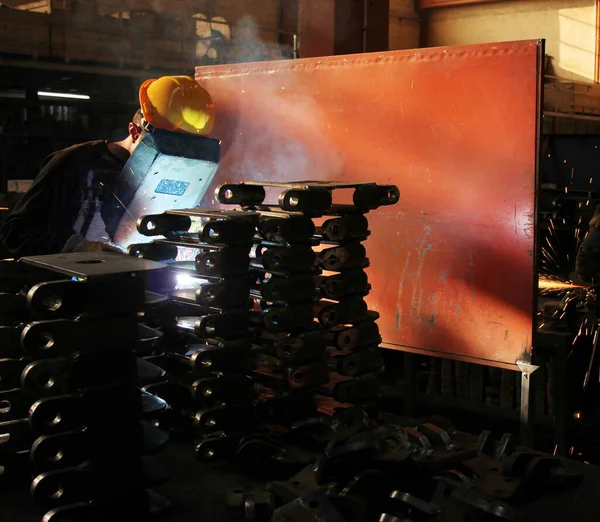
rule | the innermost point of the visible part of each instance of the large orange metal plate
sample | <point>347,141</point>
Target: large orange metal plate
<point>452,265</point>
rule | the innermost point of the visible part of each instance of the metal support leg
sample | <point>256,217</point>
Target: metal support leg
<point>526,410</point>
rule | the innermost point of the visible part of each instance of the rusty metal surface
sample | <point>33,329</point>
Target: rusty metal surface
<point>456,129</point>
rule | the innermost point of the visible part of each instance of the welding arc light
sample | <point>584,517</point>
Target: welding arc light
<point>63,95</point>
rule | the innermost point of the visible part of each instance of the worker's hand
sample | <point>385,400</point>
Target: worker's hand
<point>77,243</point>
<point>99,246</point>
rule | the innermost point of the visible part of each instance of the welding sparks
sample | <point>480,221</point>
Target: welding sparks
<point>126,209</point>
<point>550,284</point>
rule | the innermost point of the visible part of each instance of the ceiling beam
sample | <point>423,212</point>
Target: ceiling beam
<point>429,4</point>
<point>89,69</point>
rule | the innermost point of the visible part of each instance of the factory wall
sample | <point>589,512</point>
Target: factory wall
<point>405,25</point>
<point>569,27</point>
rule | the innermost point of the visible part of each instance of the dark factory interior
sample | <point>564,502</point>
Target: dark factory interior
<point>299,261</point>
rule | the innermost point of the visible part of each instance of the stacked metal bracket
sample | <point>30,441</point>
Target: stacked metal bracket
<point>314,331</point>
<point>71,414</point>
<point>207,356</point>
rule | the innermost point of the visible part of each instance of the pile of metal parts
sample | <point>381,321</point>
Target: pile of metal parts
<point>421,472</point>
<point>314,333</point>
<point>261,300</point>
<point>74,425</point>
<point>206,353</point>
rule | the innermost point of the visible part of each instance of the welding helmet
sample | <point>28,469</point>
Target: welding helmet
<point>177,103</point>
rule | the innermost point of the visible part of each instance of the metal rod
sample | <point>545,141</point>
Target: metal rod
<point>572,116</point>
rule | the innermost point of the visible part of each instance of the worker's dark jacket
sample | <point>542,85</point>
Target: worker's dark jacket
<point>70,200</point>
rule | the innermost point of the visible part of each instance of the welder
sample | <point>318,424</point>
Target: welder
<point>72,205</point>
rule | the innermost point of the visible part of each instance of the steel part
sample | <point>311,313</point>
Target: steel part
<point>269,458</point>
<point>223,262</point>
<point>371,197</point>
<point>516,464</point>
<point>414,503</point>
<point>10,373</point>
<point>351,338</point>
<point>356,363</point>
<point>340,426</point>
<point>296,289</point>
<point>292,354</point>
<point>308,184</point>
<point>285,319</point>
<point>73,449</point>
<point>102,407</point>
<point>348,311</point>
<point>313,375</point>
<point>217,447</point>
<point>163,225</point>
<point>224,294</point>
<point>59,338</point>
<point>313,507</point>
<point>313,201</point>
<point>295,259</point>
<point>69,299</point>
<point>14,404</point>
<point>154,440</point>
<point>419,439</point>
<point>227,232</point>
<point>71,485</point>
<point>526,427</point>
<point>233,356</point>
<point>294,348</point>
<point>243,195</point>
<point>15,435</point>
<point>148,338</point>
<point>137,506</point>
<point>226,325</point>
<point>351,390</point>
<point>224,418</point>
<point>217,389</point>
<point>372,485</point>
<point>16,277</point>
<point>51,377</point>
<point>89,265</point>
<point>353,226</point>
<point>436,435</point>
<point>147,372</point>
<point>285,409</point>
<point>286,228</point>
<point>152,405</point>
<point>505,446</point>
<point>250,507</point>
<point>77,512</point>
<point>347,257</point>
<point>474,270</point>
<point>154,251</point>
<point>486,444</point>
<point>340,286</point>
<point>10,347</point>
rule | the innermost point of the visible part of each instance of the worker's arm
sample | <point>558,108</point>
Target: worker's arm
<point>42,221</point>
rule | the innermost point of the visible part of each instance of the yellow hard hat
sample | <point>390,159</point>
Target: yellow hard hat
<point>177,103</point>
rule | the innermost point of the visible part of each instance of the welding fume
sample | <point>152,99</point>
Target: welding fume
<point>88,197</point>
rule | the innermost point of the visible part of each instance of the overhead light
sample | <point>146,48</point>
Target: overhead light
<point>64,95</point>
